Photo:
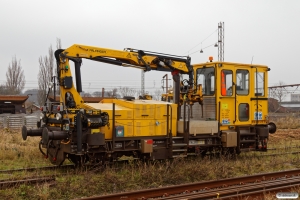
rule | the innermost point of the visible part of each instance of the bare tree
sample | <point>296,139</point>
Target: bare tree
<point>97,94</point>
<point>279,92</point>
<point>15,78</point>
<point>85,94</point>
<point>112,93</point>
<point>139,93</point>
<point>45,75</point>
<point>3,90</point>
<point>126,91</point>
<point>157,94</point>
<point>58,43</point>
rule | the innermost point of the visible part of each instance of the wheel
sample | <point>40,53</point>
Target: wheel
<point>78,160</point>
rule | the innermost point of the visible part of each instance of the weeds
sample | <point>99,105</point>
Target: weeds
<point>135,175</point>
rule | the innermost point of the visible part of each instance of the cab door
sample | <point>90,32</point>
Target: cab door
<point>242,94</point>
<point>259,97</point>
<point>235,95</point>
<point>226,96</point>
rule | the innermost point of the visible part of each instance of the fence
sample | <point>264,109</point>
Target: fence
<point>17,121</point>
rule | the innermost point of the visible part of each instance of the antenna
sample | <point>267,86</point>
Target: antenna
<point>252,60</point>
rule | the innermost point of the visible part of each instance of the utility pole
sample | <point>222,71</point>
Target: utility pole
<point>142,82</point>
<point>221,41</point>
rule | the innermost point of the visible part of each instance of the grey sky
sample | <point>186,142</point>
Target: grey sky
<point>266,30</point>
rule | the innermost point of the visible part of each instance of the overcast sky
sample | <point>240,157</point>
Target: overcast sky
<point>264,32</point>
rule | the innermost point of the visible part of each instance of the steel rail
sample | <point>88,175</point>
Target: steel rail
<point>208,185</point>
<point>12,183</point>
<point>36,168</point>
<point>259,194</point>
<point>273,154</point>
<point>239,191</point>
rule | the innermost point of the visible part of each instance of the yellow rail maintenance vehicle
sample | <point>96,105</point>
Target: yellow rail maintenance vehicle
<point>221,107</point>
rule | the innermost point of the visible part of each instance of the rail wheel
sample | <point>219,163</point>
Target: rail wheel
<point>55,155</point>
<point>78,160</point>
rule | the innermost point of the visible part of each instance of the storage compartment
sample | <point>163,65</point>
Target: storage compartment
<point>144,128</point>
<point>120,111</point>
<point>263,131</point>
<point>200,127</point>
<point>161,109</point>
<point>147,146</point>
<point>229,139</point>
<point>95,139</point>
<point>127,125</point>
<point>161,127</point>
<point>141,109</point>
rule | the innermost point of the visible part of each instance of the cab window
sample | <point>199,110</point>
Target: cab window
<point>259,87</point>
<point>242,82</point>
<point>226,82</point>
<point>244,112</point>
<point>206,77</point>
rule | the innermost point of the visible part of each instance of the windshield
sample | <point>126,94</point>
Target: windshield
<point>206,77</point>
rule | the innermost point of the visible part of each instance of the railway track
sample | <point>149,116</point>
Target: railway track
<point>284,148</point>
<point>278,154</point>
<point>9,171</point>
<point>12,183</point>
<point>233,188</point>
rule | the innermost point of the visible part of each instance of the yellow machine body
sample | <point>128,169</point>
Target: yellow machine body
<point>221,107</point>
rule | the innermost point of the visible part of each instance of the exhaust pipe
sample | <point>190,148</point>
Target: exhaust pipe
<point>30,132</point>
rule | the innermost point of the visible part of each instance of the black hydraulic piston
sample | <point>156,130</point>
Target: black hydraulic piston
<point>78,75</point>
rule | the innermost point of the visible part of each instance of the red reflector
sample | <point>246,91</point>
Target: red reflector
<point>58,108</point>
<point>149,141</point>
<point>41,108</point>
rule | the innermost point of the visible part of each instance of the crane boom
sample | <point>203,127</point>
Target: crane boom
<point>128,57</point>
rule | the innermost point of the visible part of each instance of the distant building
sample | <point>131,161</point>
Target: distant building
<point>33,108</point>
<point>291,106</point>
<point>13,104</point>
<point>295,97</point>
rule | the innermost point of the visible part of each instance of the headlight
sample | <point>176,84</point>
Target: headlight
<point>58,116</point>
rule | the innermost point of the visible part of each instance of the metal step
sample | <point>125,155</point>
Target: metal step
<point>247,141</point>
<point>179,150</point>
<point>243,134</point>
<point>177,137</point>
<point>179,156</point>
<point>179,144</point>
<point>247,149</point>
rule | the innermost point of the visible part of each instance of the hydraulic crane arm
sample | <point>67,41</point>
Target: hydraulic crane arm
<point>140,59</point>
<point>130,58</point>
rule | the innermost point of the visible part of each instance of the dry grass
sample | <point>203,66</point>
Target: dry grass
<point>289,121</point>
<point>16,153</point>
<point>136,175</point>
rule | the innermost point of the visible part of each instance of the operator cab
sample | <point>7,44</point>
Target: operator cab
<point>233,93</point>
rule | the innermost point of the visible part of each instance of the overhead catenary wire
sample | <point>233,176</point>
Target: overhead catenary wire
<point>202,49</point>
<point>201,42</point>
